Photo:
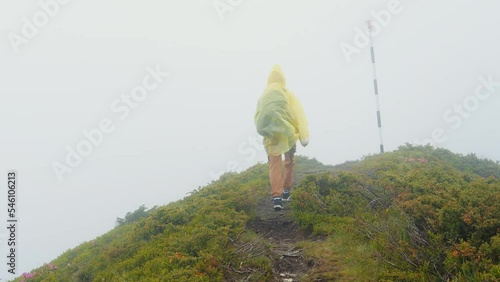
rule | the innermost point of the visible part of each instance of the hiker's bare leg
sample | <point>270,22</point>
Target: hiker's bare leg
<point>276,175</point>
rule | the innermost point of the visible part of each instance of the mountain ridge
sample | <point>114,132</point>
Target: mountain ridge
<point>415,214</point>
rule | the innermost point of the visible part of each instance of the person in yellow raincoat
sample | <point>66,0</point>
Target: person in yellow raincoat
<point>280,119</point>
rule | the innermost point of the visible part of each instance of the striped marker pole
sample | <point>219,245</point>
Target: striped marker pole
<point>375,85</point>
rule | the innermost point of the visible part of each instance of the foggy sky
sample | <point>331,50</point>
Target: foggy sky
<point>432,57</point>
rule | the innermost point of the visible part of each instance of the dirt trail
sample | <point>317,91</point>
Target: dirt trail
<point>282,233</point>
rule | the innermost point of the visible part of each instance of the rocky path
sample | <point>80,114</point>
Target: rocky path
<point>282,233</point>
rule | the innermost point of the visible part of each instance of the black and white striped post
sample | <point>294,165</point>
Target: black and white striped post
<point>375,85</point>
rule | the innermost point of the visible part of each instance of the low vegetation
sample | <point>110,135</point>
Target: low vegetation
<point>422,214</point>
<point>416,214</point>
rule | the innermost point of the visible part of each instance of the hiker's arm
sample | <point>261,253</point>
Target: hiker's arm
<point>300,119</point>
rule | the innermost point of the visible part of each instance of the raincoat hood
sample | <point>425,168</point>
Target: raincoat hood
<point>276,76</point>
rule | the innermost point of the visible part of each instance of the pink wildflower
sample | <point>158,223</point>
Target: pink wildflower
<point>28,275</point>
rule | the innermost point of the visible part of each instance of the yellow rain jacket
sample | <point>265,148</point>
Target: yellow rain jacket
<point>280,118</point>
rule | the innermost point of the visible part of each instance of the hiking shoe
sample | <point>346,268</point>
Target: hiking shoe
<point>286,195</point>
<point>278,204</point>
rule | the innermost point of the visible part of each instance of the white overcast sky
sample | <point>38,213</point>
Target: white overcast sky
<point>199,122</point>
